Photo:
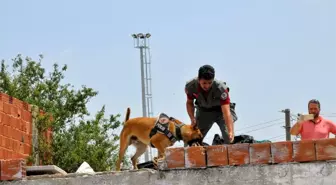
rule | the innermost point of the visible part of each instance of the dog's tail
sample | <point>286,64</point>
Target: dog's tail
<point>128,112</point>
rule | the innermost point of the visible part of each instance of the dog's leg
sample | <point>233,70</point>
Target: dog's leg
<point>160,142</point>
<point>140,149</point>
<point>124,142</point>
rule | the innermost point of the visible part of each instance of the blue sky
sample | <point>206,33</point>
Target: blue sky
<point>273,54</point>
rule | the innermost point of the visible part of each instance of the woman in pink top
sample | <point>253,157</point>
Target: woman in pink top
<point>318,128</point>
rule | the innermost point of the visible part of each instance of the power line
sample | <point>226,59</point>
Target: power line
<point>330,116</point>
<point>332,113</point>
<point>276,137</point>
<point>264,127</point>
<point>260,124</point>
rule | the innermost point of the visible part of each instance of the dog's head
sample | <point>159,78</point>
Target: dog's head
<point>192,136</point>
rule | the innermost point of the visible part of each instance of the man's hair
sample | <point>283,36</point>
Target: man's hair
<point>206,72</point>
<point>316,102</point>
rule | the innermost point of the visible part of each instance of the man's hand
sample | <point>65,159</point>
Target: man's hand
<point>296,129</point>
<point>193,122</point>
<point>231,137</point>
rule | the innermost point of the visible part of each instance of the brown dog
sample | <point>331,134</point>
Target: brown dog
<point>137,131</point>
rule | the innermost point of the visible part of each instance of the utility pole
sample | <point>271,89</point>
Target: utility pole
<point>288,124</point>
<point>141,42</point>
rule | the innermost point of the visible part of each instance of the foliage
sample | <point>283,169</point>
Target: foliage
<point>75,139</point>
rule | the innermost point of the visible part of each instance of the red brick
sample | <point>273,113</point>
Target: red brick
<point>282,152</point>
<point>14,111</point>
<point>217,155</point>
<point>6,119</point>
<point>19,113</point>
<point>175,157</point>
<point>1,106</point>
<point>28,139</point>
<point>8,131</point>
<point>15,146</point>
<point>8,143</point>
<point>27,149</point>
<point>2,153</point>
<point>21,148</point>
<point>2,141</point>
<point>5,130</point>
<point>239,154</point>
<point>7,108</point>
<point>2,116</point>
<point>13,133</point>
<point>17,103</point>
<point>22,125</point>
<point>19,135</point>
<point>26,106</point>
<point>29,127</point>
<point>27,116</point>
<point>12,169</point>
<point>10,99</point>
<point>260,153</point>
<point>1,129</point>
<point>195,157</point>
<point>6,154</point>
<point>16,155</point>
<point>14,122</point>
<point>304,151</point>
<point>325,149</point>
<point>4,97</point>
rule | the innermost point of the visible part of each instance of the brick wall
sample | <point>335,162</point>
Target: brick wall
<point>16,128</point>
<point>12,169</point>
<point>249,154</point>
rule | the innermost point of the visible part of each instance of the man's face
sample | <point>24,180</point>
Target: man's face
<point>205,84</point>
<point>314,109</point>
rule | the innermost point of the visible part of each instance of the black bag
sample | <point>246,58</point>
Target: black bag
<point>218,140</point>
<point>244,139</point>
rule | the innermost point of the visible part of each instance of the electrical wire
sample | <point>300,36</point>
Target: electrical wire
<point>260,124</point>
<point>264,127</point>
<point>333,116</point>
<point>276,137</point>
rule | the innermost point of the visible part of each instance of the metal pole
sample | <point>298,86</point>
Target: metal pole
<point>140,42</point>
<point>288,124</point>
<point>143,88</point>
<point>144,112</point>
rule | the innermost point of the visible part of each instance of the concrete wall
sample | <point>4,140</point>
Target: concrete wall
<point>314,173</point>
<point>288,162</point>
<point>300,162</point>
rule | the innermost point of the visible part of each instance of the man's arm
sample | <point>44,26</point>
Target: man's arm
<point>225,105</point>
<point>332,127</point>
<point>190,107</point>
<point>296,129</point>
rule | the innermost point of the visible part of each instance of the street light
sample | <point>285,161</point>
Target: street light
<point>141,42</point>
<point>141,35</point>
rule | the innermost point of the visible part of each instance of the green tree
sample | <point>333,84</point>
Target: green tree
<point>75,139</point>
